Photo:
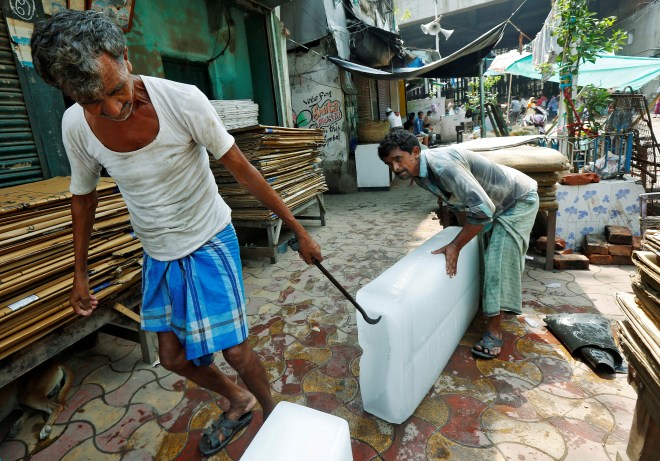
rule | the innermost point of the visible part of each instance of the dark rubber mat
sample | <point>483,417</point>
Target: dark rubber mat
<point>588,336</point>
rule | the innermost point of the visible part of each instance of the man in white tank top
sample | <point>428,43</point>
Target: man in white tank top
<point>152,136</point>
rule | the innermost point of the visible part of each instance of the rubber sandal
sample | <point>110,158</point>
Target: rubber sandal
<point>210,444</point>
<point>487,341</point>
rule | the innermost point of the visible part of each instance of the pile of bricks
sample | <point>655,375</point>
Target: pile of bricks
<point>564,258</point>
<point>615,247</point>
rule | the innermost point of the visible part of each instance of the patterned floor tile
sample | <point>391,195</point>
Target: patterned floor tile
<point>464,424</point>
<point>433,410</point>
<point>81,365</point>
<point>593,412</point>
<point>316,355</point>
<point>108,381</point>
<point>462,363</point>
<point>440,448</point>
<point>121,396</point>
<point>615,445</point>
<point>512,398</point>
<point>116,437</point>
<point>521,452</point>
<point>103,415</point>
<point>339,364</point>
<point>166,401</point>
<point>13,450</point>
<point>622,409</point>
<point>361,450</point>
<point>525,370</point>
<point>583,441</point>
<point>172,382</point>
<point>535,402</point>
<point>481,389</point>
<point>171,446</point>
<point>540,435</point>
<point>83,452</point>
<point>179,418</point>
<point>80,397</point>
<point>74,434</point>
<point>139,455</point>
<point>291,380</point>
<point>344,388</point>
<point>149,437</point>
<point>409,441</point>
<point>594,384</point>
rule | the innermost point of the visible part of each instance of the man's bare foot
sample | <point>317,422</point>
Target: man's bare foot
<point>240,407</point>
<point>489,346</point>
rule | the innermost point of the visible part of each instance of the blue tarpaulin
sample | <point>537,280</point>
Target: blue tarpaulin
<point>608,71</point>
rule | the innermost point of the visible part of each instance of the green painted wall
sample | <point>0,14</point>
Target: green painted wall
<point>190,30</point>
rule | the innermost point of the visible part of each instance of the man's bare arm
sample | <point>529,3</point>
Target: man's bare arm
<point>248,176</point>
<point>83,208</point>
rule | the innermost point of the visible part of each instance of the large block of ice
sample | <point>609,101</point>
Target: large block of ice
<point>425,315</point>
<point>296,433</point>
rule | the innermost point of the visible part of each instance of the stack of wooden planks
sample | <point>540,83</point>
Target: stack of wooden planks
<point>36,257</point>
<point>640,343</point>
<point>289,160</point>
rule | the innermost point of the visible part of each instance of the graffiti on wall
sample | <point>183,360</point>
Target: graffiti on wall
<point>23,9</point>
<point>320,110</point>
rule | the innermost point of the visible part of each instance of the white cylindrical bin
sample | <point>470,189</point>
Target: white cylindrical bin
<point>296,433</point>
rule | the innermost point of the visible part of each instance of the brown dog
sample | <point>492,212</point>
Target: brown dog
<point>35,390</point>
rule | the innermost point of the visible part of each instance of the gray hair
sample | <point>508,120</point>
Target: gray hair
<point>66,48</point>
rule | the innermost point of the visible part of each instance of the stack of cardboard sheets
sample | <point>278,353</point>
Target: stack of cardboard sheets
<point>236,113</point>
<point>286,157</point>
<point>36,257</point>
<point>640,332</point>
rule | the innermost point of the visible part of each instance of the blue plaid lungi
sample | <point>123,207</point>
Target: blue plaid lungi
<point>199,297</point>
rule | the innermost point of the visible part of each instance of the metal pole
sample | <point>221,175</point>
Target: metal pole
<point>437,36</point>
<point>481,99</point>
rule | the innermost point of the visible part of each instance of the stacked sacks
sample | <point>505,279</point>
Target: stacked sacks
<point>546,166</point>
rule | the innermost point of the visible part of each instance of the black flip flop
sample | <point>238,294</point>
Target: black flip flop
<point>210,444</point>
<point>487,341</point>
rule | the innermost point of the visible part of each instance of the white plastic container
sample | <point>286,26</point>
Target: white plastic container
<point>296,433</point>
<point>425,315</point>
<point>372,173</point>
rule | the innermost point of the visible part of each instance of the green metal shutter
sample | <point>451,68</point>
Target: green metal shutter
<point>19,160</point>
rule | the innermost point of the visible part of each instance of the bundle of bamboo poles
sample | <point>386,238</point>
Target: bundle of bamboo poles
<point>289,160</point>
<point>36,257</point>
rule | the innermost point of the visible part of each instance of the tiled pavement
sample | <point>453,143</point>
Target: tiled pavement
<point>533,403</point>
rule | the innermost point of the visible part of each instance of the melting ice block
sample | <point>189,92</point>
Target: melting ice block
<point>296,433</point>
<point>425,315</point>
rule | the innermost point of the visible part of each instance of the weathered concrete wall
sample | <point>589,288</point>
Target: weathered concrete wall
<point>181,30</point>
<point>422,10</point>
<point>318,102</point>
<point>645,40</point>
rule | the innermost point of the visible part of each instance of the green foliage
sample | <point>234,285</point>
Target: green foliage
<point>582,35</point>
<point>407,14</point>
<point>489,94</point>
<point>595,102</point>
